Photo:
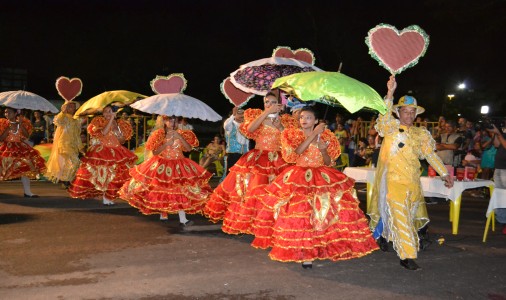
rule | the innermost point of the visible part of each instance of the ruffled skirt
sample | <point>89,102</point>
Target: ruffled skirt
<point>312,213</point>
<point>235,200</point>
<point>102,172</point>
<point>161,185</point>
<point>19,159</point>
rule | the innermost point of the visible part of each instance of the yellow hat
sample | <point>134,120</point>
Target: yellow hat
<point>409,101</point>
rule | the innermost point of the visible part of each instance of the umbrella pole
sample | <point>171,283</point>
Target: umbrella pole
<point>327,107</point>
<point>326,110</point>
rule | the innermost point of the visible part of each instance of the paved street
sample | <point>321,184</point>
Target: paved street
<point>55,247</point>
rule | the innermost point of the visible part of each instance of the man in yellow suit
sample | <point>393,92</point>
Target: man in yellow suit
<point>397,207</point>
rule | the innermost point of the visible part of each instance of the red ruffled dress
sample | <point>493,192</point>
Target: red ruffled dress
<point>313,208</point>
<point>168,182</point>
<point>104,168</point>
<point>235,199</point>
<point>17,158</point>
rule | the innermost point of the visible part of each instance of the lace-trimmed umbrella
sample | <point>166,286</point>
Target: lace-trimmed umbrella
<point>26,100</point>
<point>177,104</point>
<point>170,100</point>
<point>256,77</point>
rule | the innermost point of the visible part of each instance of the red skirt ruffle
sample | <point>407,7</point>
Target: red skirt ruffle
<point>231,201</point>
<point>19,159</point>
<point>317,217</point>
<point>102,172</point>
<point>167,185</point>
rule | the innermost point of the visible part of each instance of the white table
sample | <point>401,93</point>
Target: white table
<point>431,186</point>
<point>360,174</point>
<point>364,175</point>
<point>497,200</point>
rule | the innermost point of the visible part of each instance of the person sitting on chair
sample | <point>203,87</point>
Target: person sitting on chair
<point>213,152</point>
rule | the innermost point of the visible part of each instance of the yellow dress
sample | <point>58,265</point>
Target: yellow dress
<point>63,162</point>
<point>397,196</point>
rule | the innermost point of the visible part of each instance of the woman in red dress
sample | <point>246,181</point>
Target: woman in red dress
<point>104,168</point>
<point>168,182</point>
<point>17,158</point>
<point>313,207</point>
<point>235,199</point>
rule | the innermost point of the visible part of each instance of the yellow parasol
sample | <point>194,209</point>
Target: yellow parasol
<point>118,98</point>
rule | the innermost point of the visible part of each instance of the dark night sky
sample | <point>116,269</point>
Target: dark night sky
<point>114,45</point>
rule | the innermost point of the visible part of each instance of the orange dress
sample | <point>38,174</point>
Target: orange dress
<point>17,158</point>
<point>313,208</point>
<point>232,200</point>
<point>104,168</point>
<point>168,182</point>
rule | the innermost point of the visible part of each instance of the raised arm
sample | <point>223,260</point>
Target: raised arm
<point>387,123</point>
<point>498,138</point>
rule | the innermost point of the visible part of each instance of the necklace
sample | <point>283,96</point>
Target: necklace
<point>17,129</point>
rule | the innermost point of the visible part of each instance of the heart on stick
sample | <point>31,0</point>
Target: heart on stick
<point>67,88</point>
<point>394,50</point>
<point>236,96</point>
<point>301,54</point>
<point>174,83</point>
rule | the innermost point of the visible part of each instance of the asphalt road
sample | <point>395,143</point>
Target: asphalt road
<point>55,247</point>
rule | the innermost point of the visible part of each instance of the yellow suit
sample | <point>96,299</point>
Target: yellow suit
<point>397,196</point>
<point>64,159</point>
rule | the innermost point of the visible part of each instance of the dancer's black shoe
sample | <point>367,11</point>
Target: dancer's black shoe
<point>410,264</point>
<point>307,265</point>
<point>187,224</point>
<point>31,196</point>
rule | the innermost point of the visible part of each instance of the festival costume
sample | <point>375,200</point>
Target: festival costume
<point>289,121</point>
<point>17,157</point>
<point>104,168</point>
<point>63,162</point>
<point>232,200</point>
<point>168,182</point>
<point>313,208</point>
<point>397,196</point>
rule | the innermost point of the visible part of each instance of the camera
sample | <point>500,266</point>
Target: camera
<point>489,122</point>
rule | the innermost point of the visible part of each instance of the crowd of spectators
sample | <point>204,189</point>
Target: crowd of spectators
<point>459,142</point>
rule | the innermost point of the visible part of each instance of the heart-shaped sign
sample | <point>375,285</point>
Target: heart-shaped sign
<point>236,96</point>
<point>301,54</point>
<point>67,88</point>
<point>394,50</point>
<point>174,83</point>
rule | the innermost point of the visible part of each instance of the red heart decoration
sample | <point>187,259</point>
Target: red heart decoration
<point>67,88</point>
<point>236,96</point>
<point>301,54</point>
<point>174,83</point>
<point>394,50</point>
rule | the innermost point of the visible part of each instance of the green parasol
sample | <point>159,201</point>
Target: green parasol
<point>333,88</point>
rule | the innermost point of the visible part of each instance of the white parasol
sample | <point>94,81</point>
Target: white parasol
<point>26,100</point>
<point>177,104</point>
